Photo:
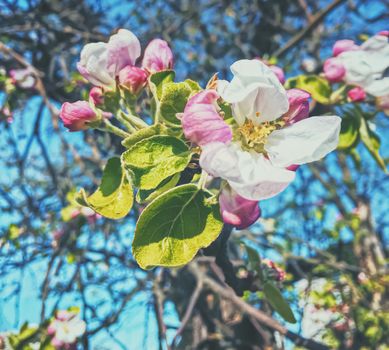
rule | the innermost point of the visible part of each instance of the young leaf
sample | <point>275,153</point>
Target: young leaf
<point>175,226</point>
<point>277,301</point>
<point>152,160</point>
<point>114,197</point>
<point>349,132</point>
<point>318,87</point>
<point>157,129</point>
<point>372,143</point>
<point>157,81</point>
<point>145,196</point>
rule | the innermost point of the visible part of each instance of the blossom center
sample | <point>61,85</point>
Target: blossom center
<point>254,137</point>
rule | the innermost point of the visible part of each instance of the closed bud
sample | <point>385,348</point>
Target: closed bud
<point>158,56</point>
<point>279,73</point>
<point>76,116</point>
<point>133,78</point>
<point>96,96</point>
<point>343,46</point>
<point>334,70</point>
<point>298,105</point>
<point>356,94</point>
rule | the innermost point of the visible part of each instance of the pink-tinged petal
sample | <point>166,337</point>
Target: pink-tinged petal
<point>278,71</point>
<point>24,78</point>
<point>305,141</point>
<point>334,70</point>
<point>236,210</point>
<point>344,45</point>
<point>201,121</point>
<point>356,94</point>
<point>133,79</point>
<point>51,329</point>
<point>384,33</point>
<point>251,175</point>
<point>158,56</point>
<point>123,49</point>
<point>298,105</point>
<point>96,95</point>
<point>75,116</point>
<point>58,344</point>
<point>293,167</point>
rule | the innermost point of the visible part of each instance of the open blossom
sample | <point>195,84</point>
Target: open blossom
<point>236,210</point>
<point>65,329</point>
<point>77,115</point>
<point>362,65</point>
<point>23,78</point>
<point>133,78</point>
<point>158,56</point>
<point>100,63</point>
<point>254,162</point>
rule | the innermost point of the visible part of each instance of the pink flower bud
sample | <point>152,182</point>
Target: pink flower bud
<point>133,78</point>
<point>236,210</point>
<point>158,56</point>
<point>75,116</point>
<point>293,167</point>
<point>201,121</point>
<point>344,45</point>
<point>96,95</point>
<point>384,33</point>
<point>279,73</point>
<point>356,94</point>
<point>51,329</point>
<point>298,105</point>
<point>334,70</point>
<point>58,344</point>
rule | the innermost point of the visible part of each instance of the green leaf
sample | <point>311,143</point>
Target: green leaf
<point>157,129</point>
<point>254,260</point>
<point>318,87</point>
<point>114,197</point>
<point>173,227</point>
<point>157,81</point>
<point>152,160</point>
<point>372,143</point>
<point>144,196</point>
<point>277,301</point>
<point>349,132</point>
<point>173,100</point>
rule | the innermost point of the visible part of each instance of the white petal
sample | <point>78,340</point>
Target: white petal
<point>251,175</point>
<point>379,87</point>
<point>255,92</point>
<point>305,141</point>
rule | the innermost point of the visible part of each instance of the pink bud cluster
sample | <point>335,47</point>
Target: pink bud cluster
<point>279,273</point>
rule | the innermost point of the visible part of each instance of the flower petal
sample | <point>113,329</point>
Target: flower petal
<point>255,92</point>
<point>201,121</point>
<point>251,175</point>
<point>305,141</point>
<point>379,87</point>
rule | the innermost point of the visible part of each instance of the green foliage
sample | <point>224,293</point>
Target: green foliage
<point>154,159</point>
<point>318,87</point>
<point>175,226</point>
<point>139,135</point>
<point>145,196</point>
<point>114,197</point>
<point>158,80</point>
<point>349,133</point>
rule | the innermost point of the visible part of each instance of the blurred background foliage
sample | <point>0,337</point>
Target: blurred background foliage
<point>329,231</point>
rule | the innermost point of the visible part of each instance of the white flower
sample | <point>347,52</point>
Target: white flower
<point>101,62</point>
<point>365,67</point>
<point>255,163</point>
<point>67,330</point>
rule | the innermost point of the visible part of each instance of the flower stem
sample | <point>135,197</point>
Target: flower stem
<point>113,129</point>
<point>203,180</point>
<point>121,116</point>
<point>135,120</point>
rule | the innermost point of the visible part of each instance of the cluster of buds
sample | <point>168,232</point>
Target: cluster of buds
<point>111,66</point>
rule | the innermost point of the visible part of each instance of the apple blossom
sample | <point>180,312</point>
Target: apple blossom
<point>278,71</point>
<point>343,46</point>
<point>23,78</point>
<point>158,56</point>
<point>133,79</point>
<point>254,163</point>
<point>100,63</point>
<point>363,67</point>
<point>77,115</point>
<point>236,210</point>
<point>96,95</point>
<point>356,94</point>
<point>65,329</point>
<point>334,70</point>
<point>201,121</point>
